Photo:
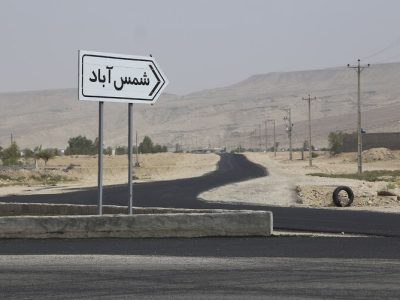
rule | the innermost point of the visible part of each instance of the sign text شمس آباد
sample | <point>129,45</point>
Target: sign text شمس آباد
<point>119,78</point>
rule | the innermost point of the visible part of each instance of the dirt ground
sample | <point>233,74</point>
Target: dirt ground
<point>289,185</point>
<point>81,171</point>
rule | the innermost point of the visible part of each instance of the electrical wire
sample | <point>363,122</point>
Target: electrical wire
<point>397,56</point>
<point>390,46</point>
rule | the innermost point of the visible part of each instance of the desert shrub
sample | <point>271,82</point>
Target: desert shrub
<point>335,140</point>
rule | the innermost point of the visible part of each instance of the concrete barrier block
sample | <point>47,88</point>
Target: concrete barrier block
<point>183,224</point>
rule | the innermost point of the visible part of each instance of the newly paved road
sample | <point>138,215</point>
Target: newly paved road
<point>282,246</point>
<point>175,193</point>
<point>231,168</point>
<point>139,277</point>
<point>205,268</point>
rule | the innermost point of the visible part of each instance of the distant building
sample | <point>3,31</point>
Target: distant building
<point>390,140</point>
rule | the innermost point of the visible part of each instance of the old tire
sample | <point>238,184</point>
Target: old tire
<point>336,198</point>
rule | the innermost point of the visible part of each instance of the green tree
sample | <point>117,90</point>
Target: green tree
<point>96,146</point>
<point>108,151</point>
<point>45,155</point>
<point>157,148</point>
<point>10,155</point>
<point>121,150</point>
<point>335,140</point>
<point>146,146</point>
<point>81,145</point>
<point>28,153</point>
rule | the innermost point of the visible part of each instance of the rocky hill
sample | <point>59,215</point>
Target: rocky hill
<point>226,116</point>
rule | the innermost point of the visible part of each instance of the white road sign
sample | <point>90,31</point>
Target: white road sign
<point>119,78</point>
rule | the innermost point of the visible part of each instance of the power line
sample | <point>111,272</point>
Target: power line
<point>393,44</point>
<point>387,59</point>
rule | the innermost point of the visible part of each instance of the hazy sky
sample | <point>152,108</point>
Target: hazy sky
<point>199,44</point>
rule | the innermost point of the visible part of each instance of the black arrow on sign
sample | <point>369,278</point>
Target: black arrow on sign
<point>158,81</point>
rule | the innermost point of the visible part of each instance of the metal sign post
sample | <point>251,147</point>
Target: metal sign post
<point>118,78</point>
<point>130,150</point>
<point>100,159</point>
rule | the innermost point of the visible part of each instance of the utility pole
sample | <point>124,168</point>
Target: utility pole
<point>182,142</point>
<point>266,136</point>
<point>260,138</point>
<point>273,120</point>
<point>253,138</point>
<point>309,128</point>
<point>274,139</point>
<point>250,140</point>
<point>359,69</point>
<point>289,124</point>
<point>12,138</point>
<point>137,164</point>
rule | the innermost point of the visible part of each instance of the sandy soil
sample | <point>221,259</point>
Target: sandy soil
<point>83,172</point>
<point>288,184</point>
<point>153,167</point>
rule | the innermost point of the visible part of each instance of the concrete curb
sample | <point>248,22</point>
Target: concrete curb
<point>47,209</point>
<point>146,222</point>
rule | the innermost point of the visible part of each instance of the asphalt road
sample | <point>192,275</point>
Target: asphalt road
<point>204,268</point>
<point>180,193</point>
<point>231,168</point>
<point>138,277</point>
<point>282,246</point>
